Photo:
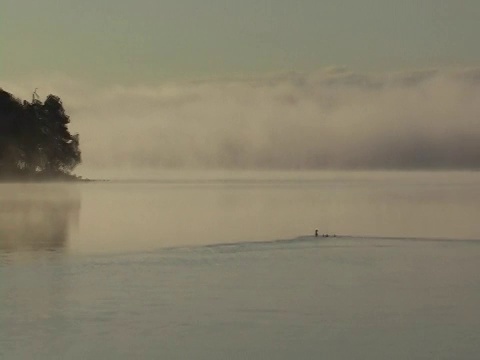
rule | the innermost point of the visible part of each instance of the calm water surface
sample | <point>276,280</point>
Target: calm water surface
<point>217,267</point>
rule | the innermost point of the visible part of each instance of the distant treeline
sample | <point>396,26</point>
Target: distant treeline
<point>35,142</point>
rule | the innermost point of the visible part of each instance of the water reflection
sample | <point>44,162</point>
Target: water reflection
<point>36,217</point>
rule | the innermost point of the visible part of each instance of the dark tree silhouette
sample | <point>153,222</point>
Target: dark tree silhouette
<point>34,139</point>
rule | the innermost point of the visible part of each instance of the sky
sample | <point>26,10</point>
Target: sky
<point>146,41</point>
<point>273,84</point>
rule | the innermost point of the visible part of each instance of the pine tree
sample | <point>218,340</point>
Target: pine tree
<point>34,138</point>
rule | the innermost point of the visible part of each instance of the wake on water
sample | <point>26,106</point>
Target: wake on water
<point>320,241</point>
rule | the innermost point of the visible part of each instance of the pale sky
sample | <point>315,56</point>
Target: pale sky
<point>148,41</point>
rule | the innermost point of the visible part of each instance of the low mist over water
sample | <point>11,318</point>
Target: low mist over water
<point>328,119</point>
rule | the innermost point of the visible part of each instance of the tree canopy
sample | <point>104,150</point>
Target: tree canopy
<point>34,138</point>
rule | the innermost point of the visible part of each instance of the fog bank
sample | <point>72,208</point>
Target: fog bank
<point>329,119</point>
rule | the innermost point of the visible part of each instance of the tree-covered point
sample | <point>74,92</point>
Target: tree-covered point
<point>35,142</point>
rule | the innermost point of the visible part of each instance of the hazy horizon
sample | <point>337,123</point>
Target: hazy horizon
<point>254,85</point>
<point>329,119</point>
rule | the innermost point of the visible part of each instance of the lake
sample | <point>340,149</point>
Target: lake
<point>225,265</point>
